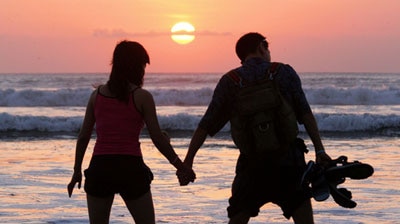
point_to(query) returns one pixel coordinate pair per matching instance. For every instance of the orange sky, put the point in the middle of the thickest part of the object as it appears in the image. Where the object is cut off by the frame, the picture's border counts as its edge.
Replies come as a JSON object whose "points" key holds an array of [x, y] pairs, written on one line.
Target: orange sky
{"points": [[312, 36]]}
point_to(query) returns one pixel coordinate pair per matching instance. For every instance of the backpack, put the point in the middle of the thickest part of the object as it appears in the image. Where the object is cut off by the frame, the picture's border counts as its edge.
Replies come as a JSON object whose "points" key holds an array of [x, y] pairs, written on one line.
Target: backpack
{"points": [[263, 124]]}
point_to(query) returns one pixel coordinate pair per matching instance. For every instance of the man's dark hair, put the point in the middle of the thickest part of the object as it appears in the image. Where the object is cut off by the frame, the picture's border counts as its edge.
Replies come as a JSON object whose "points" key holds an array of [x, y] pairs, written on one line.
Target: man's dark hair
{"points": [[248, 44]]}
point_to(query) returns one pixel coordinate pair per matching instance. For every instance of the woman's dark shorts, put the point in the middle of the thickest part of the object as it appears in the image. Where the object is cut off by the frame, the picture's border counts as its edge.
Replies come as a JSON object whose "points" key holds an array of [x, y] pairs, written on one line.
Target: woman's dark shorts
{"points": [[124, 174], [256, 184]]}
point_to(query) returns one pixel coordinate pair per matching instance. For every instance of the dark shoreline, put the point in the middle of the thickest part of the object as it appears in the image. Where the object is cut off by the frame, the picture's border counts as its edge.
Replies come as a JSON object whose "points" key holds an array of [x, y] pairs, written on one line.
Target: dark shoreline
{"points": [[42, 135]]}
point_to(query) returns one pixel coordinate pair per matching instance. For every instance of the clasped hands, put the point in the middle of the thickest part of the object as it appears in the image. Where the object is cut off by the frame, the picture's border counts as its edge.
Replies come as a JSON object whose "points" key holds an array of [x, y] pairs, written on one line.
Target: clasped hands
{"points": [[185, 175]]}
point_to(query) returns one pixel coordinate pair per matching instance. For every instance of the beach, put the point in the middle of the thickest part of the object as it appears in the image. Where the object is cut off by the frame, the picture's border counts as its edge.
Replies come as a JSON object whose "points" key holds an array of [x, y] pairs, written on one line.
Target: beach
{"points": [[34, 175]]}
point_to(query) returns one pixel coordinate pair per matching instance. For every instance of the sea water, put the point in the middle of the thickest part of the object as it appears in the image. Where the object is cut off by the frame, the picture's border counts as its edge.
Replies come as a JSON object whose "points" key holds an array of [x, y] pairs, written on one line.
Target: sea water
{"points": [[40, 115]]}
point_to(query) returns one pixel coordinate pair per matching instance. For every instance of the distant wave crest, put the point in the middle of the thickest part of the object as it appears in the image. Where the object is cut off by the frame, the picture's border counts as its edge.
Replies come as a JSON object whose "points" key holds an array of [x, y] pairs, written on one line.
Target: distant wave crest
{"points": [[188, 122], [195, 97]]}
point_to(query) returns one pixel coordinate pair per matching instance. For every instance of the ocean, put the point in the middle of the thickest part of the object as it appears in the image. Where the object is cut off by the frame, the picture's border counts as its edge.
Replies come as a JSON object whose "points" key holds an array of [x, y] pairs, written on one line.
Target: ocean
{"points": [[40, 115]]}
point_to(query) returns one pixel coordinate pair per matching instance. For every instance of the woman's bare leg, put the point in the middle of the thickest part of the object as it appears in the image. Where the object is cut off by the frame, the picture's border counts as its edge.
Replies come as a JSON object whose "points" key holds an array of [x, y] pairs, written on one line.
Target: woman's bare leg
{"points": [[142, 209], [99, 209]]}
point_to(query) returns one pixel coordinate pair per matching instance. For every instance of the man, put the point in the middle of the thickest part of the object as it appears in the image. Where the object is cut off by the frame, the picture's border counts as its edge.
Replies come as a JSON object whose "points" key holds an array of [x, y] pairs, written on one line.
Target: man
{"points": [[259, 182]]}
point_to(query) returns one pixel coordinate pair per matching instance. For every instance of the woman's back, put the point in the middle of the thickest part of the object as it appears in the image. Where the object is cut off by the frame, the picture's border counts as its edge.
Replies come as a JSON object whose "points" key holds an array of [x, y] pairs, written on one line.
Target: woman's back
{"points": [[118, 125]]}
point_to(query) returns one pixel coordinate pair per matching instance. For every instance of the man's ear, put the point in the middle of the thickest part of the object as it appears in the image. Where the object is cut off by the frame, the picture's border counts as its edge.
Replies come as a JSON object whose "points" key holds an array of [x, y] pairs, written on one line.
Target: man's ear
{"points": [[261, 49]]}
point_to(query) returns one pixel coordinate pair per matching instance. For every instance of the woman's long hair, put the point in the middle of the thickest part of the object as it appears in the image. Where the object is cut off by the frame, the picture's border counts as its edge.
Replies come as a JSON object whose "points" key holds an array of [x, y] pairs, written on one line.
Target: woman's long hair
{"points": [[128, 63]]}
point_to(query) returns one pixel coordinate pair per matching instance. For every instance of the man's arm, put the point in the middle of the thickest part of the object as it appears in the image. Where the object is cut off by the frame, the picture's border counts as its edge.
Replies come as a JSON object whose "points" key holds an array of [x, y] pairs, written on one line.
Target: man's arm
{"points": [[198, 138], [311, 127], [214, 119], [197, 141]]}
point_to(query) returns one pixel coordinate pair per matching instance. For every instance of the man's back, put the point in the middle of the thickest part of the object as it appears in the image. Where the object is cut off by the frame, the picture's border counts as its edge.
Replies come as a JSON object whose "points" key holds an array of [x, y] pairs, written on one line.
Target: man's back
{"points": [[263, 124]]}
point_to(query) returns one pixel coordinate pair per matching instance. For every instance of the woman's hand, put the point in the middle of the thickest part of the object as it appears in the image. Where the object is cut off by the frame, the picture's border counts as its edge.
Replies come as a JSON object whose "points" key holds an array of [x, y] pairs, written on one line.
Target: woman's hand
{"points": [[76, 178]]}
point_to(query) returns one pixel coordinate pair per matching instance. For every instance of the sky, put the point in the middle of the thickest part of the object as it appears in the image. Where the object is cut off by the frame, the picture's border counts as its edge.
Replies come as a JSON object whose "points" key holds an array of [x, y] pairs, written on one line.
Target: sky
{"points": [[74, 36]]}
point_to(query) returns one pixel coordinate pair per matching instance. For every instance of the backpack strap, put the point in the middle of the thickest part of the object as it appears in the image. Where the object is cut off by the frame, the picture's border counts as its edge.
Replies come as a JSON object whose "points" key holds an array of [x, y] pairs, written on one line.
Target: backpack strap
{"points": [[235, 77], [271, 72], [273, 69]]}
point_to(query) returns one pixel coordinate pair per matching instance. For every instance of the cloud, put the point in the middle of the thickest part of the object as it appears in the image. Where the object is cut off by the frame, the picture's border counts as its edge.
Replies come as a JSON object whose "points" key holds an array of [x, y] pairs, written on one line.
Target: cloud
{"points": [[212, 33], [118, 33], [122, 33]]}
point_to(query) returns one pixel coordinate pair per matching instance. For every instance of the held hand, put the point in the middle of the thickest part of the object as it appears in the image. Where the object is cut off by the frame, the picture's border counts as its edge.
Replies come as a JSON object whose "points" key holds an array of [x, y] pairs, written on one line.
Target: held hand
{"points": [[185, 176], [76, 178]]}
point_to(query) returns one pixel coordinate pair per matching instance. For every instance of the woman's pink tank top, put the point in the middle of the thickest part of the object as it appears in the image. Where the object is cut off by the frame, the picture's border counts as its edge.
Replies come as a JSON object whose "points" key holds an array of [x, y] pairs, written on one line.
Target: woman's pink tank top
{"points": [[118, 126]]}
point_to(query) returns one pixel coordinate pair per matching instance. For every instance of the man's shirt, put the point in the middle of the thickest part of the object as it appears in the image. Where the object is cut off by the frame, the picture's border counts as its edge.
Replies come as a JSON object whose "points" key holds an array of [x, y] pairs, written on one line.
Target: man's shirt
{"points": [[221, 106]]}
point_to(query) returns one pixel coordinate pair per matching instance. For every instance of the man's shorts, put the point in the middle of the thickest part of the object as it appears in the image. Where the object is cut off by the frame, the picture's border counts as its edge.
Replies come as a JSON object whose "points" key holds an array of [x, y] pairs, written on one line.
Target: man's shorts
{"points": [[257, 184], [124, 174]]}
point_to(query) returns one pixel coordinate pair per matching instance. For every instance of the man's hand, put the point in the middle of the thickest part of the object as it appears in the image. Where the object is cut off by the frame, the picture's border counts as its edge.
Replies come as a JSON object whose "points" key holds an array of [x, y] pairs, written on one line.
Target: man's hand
{"points": [[323, 159]]}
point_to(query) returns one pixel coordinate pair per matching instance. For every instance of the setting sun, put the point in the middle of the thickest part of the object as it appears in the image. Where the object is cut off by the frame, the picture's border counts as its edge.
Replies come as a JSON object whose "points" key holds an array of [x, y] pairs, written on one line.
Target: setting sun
{"points": [[183, 33]]}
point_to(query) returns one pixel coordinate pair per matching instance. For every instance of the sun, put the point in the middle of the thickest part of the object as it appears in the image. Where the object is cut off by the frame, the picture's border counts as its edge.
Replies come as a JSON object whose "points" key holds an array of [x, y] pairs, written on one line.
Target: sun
{"points": [[183, 33]]}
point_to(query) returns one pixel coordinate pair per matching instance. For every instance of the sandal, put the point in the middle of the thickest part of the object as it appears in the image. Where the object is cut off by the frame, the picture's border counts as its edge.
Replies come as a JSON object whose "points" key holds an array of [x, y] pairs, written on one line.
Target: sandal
{"points": [[354, 170]]}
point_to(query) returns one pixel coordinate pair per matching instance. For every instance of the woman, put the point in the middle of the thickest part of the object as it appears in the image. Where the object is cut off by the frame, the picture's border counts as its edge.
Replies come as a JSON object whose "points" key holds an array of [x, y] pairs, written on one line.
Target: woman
{"points": [[120, 109]]}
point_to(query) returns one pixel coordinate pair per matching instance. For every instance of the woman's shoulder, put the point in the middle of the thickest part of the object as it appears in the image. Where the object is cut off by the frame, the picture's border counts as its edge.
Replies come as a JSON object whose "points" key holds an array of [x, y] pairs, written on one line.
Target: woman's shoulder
{"points": [[142, 92], [104, 91], [142, 97]]}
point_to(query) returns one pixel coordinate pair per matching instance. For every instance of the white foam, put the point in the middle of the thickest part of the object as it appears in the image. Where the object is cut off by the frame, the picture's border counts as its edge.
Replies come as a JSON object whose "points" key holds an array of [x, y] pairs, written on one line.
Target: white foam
{"points": [[340, 122], [193, 97]]}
